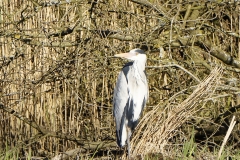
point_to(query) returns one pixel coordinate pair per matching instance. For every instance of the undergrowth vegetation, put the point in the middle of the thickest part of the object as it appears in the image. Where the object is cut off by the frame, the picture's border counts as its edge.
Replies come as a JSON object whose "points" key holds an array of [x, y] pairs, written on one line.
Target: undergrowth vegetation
{"points": [[57, 75]]}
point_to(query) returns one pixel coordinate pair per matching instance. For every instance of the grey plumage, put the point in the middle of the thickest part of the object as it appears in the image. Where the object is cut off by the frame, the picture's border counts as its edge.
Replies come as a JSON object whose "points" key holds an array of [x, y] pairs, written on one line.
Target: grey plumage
{"points": [[130, 95]]}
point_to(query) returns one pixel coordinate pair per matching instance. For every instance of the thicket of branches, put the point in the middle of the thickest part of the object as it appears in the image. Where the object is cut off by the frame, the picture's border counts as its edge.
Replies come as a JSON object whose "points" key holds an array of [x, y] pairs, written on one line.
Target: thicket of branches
{"points": [[58, 73]]}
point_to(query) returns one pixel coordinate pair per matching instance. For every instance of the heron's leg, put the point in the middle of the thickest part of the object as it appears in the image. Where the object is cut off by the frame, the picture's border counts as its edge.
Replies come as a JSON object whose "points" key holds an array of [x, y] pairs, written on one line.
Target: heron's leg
{"points": [[128, 142]]}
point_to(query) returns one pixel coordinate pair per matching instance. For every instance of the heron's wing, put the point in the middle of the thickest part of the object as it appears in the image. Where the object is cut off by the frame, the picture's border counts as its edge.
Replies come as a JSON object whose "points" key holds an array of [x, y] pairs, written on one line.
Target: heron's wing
{"points": [[120, 100]]}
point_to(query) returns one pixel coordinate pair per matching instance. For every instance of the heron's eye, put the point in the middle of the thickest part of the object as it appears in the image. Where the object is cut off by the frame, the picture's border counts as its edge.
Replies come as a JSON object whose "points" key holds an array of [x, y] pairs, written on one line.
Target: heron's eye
{"points": [[136, 53]]}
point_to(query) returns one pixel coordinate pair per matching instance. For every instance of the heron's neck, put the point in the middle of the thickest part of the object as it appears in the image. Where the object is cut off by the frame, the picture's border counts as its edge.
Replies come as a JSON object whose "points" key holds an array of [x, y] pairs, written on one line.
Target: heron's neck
{"points": [[140, 64], [139, 67]]}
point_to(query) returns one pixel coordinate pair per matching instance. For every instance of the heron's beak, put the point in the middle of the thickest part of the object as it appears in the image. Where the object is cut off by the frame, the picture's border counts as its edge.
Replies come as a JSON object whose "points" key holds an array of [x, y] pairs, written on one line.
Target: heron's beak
{"points": [[124, 55]]}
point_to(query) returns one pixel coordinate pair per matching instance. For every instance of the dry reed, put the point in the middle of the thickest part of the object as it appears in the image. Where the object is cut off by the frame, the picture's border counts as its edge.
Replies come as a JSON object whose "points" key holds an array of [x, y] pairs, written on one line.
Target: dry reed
{"points": [[155, 130]]}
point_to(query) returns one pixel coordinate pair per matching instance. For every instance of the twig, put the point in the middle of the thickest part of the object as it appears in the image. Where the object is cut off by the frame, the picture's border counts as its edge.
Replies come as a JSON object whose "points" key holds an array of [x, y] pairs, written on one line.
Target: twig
{"points": [[148, 4], [233, 122], [39, 128], [176, 65]]}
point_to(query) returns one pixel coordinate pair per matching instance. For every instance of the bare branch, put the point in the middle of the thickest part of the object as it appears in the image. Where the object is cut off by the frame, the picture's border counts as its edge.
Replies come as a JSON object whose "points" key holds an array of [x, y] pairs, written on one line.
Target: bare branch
{"points": [[41, 129]]}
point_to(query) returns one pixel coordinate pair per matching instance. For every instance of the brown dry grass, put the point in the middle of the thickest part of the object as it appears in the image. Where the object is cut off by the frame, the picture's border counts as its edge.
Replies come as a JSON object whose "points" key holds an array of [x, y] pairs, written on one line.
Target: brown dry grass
{"points": [[158, 126]]}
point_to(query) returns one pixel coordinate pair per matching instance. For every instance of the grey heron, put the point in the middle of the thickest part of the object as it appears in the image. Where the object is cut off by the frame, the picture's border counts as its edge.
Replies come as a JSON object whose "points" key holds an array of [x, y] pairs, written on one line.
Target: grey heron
{"points": [[130, 95]]}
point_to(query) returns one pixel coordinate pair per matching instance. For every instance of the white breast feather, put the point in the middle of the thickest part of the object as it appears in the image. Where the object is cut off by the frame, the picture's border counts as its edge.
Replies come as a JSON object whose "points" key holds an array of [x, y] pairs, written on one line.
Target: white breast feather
{"points": [[139, 88]]}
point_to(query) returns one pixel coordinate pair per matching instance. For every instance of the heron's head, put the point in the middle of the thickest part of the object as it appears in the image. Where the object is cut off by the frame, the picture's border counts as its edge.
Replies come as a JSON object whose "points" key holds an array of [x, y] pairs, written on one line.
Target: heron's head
{"points": [[134, 54]]}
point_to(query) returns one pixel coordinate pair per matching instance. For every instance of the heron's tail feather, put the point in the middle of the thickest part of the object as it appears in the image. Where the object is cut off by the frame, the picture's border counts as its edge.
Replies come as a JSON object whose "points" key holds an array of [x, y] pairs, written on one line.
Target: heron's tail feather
{"points": [[122, 136]]}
